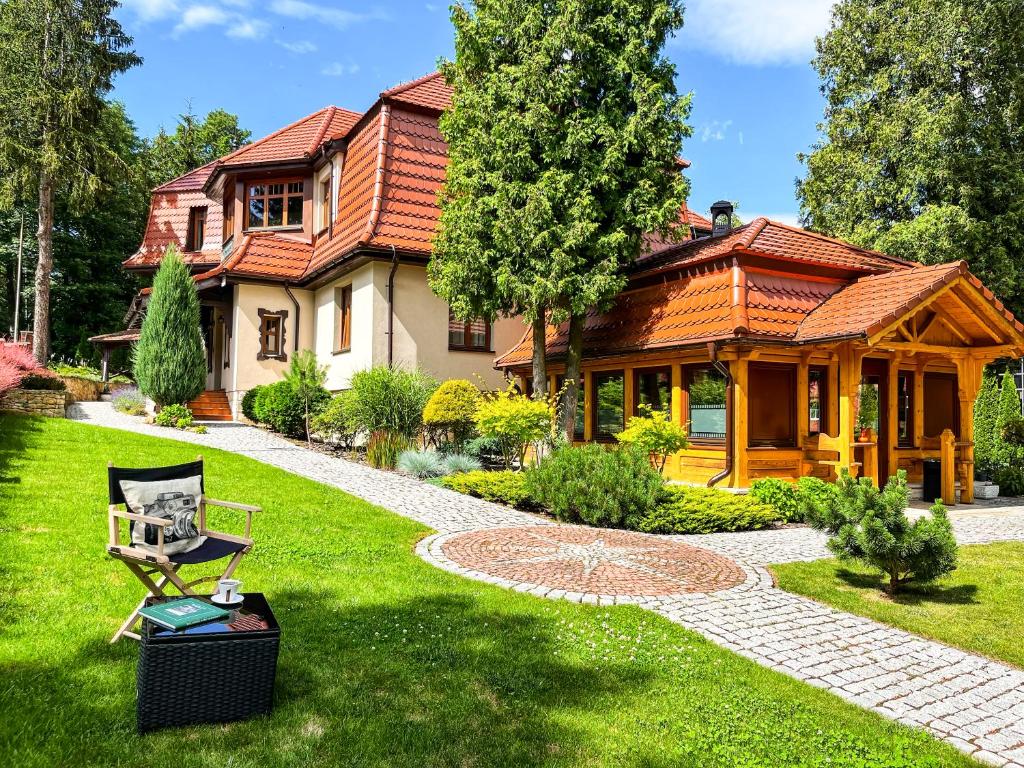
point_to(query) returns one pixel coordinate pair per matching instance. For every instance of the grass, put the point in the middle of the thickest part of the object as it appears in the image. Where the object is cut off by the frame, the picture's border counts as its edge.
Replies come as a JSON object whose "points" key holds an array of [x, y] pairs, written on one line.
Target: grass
{"points": [[977, 607], [386, 661]]}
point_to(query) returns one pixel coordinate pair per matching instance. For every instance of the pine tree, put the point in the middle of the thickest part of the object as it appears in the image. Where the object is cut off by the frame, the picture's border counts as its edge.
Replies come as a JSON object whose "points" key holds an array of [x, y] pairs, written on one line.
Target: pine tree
{"points": [[985, 425], [170, 358]]}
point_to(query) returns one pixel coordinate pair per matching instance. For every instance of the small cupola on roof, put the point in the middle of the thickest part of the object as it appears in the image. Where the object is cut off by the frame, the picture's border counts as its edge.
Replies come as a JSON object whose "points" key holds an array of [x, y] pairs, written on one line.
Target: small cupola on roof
{"points": [[721, 218]]}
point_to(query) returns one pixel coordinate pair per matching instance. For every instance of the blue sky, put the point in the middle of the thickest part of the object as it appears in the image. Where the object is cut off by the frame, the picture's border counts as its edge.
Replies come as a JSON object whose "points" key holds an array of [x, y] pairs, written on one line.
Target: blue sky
{"points": [[756, 100]]}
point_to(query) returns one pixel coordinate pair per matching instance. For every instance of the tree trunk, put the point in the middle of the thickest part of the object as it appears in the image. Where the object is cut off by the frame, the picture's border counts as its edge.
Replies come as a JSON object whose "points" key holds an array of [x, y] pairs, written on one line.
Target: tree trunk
{"points": [[44, 237], [571, 392], [540, 365]]}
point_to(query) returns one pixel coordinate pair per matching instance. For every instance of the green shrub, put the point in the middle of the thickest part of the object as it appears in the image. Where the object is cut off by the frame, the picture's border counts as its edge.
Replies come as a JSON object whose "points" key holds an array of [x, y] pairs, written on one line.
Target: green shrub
{"points": [[450, 412], [503, 487], [174, 415], [1013, 432], [1010, 481], [458, 462], [199, 429], [306, 378], [595, 485], [705, 510], [985, 407], [813, 493], [339, 421], [778, 494], [249, 402], [170, 358], [871, 527], [515, 421], [420, 464], [392, 400], [284, 411], [42, 379], [654, 435], [130, 401], [486, 450], [384, 447]]}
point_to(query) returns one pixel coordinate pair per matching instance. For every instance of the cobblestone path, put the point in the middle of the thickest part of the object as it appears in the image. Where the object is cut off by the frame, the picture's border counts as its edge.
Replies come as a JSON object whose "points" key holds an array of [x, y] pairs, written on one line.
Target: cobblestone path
{"points": [[716, 585]]}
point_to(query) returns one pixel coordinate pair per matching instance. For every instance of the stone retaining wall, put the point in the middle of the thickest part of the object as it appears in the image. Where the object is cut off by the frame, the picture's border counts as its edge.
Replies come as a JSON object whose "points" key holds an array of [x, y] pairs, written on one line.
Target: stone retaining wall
{"points": [[42, 402]]}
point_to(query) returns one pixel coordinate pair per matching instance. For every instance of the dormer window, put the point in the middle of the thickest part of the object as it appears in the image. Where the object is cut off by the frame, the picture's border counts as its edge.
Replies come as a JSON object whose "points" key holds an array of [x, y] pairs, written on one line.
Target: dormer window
{"points": [[196, 229], [273, 205]]}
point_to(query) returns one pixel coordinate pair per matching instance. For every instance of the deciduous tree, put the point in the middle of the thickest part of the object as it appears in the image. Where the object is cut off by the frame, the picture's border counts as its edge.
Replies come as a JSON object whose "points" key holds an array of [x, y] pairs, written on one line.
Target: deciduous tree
{"points": [[195, 142]]}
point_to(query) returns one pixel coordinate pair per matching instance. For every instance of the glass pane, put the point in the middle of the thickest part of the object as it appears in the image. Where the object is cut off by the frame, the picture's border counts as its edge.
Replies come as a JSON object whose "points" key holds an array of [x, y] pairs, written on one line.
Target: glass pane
{"points": [[456, 331], [707, 404], [295, 211], [611, 410], [478, 334], [654, 390], [904, 403], [275, 211], [255, 213], [294, 187], [256, 190], [275, 189], [814, 404], [867, 403]]}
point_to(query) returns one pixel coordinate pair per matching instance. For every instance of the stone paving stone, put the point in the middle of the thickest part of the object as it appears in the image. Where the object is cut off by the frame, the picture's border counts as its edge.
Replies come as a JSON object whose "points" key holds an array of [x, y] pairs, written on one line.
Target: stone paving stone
{"points": [[973, 703]]}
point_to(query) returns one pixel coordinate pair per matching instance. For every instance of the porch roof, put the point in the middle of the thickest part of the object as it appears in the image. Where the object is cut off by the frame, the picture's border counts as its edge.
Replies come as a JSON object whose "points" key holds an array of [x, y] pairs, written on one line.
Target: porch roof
{"points": [[117, 338]]}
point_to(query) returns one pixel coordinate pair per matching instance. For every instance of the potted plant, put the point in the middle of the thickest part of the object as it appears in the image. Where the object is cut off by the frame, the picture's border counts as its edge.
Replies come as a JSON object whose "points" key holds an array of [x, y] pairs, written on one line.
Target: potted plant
{"points": [[867, 411]]}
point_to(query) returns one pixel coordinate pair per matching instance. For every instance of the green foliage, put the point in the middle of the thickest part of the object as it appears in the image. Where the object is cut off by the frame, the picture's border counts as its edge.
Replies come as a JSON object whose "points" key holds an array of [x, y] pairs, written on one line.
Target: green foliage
{"points": [[502, 487], [198, 429], [704, 510], [1013, 433], [1008, 410], [458, 462], [871, 526], [170, 358], [421, 464], [249, 402], [486, 450], [450, 412], [654, 435], [384, 447], [922, 154], [280, 407], [515, 421], [867, 407], [813, 493], [985, 408], [392, 399], [174, 415], [1010, 480], [130, 401], [563, 134], [707, 390], [339, 421], [42, 379], [306, 378], [195, 142], [779, 495], [592, 484]]}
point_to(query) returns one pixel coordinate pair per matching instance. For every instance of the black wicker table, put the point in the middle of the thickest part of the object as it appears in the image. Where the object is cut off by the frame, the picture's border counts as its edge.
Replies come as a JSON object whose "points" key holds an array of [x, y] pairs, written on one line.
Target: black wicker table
{"points": [[215, 672]]}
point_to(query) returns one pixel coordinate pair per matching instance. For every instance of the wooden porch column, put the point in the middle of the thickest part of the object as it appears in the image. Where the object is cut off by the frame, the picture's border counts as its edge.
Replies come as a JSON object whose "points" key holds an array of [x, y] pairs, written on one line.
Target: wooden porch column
{"points": [[677, 395], [969, 372], [803, 426], [849, 380], [831, 423], [106, 364], [919, 401], [947, 457], [588, 406], [740, 383], [628, 396]]}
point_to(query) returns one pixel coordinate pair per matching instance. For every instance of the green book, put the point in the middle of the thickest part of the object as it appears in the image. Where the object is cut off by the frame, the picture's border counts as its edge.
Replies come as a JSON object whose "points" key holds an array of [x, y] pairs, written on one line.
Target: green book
{"points": [[178, 614]]}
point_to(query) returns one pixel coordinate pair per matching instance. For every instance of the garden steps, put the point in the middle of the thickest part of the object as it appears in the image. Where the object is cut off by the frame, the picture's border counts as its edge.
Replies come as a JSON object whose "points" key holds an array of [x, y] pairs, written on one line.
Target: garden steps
{"points": [[211, 405]]}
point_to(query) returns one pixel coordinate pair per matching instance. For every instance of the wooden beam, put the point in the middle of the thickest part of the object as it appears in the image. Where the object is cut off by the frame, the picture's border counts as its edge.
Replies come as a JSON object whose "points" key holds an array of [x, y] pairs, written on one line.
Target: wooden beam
{"points": [[956, 330], [921, 331], [970, 310], [886, 330], [740, 382], [902, 329], [991, 312]]}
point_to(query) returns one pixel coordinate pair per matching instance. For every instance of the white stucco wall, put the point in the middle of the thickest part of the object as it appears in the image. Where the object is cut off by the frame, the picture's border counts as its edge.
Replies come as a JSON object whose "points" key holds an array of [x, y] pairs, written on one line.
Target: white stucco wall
{"points": [[366, 300]]}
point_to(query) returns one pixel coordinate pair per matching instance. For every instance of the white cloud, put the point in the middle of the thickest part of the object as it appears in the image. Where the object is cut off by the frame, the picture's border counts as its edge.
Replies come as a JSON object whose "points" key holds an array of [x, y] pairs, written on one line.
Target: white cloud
{"points": [[337, 69], [335, 17], [198, 16], [150, 10], [757, 32], [716, 131], [298, 46], [431, 8], [247, 29]]}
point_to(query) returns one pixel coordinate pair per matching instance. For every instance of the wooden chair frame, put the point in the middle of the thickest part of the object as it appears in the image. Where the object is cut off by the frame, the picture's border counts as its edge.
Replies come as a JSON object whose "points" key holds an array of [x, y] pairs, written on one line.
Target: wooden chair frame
{"points": [[146, 564]]}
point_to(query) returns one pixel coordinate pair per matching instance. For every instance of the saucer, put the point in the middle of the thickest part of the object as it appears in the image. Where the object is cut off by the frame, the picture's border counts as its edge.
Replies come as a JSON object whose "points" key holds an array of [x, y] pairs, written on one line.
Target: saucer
{"points": [[224, 603]]}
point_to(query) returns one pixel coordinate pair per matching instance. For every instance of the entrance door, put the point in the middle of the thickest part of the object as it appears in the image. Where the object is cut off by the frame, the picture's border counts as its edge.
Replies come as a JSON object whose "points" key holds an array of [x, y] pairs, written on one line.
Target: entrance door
{"points": [[873, 409]]}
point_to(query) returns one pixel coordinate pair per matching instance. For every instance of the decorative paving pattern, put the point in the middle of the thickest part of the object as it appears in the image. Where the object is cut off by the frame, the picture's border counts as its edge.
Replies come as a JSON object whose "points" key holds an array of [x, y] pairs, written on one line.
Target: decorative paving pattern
{"points": [[593, 561]]}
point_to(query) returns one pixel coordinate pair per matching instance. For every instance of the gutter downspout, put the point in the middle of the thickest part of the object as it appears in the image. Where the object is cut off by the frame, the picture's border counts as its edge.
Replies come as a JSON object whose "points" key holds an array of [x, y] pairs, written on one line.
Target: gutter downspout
{"points": [[391, 306], [295, 303], [723, 369]]}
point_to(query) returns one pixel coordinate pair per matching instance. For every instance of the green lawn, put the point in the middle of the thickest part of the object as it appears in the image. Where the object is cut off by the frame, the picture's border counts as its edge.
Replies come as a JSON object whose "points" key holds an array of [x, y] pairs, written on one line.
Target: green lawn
{"points": [[978, 607], [386, 661]]}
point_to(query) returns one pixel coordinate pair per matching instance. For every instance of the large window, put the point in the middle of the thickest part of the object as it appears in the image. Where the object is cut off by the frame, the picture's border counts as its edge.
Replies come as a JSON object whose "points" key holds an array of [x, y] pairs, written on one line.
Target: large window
{"points": [[274, 204], [653, 387], [941, 404], [771, 417], [905, 409], [609, 404], [272, 334], [705, 388], [473, 336], [817, 400], [196, 229], [581, 411], [343, 319]]}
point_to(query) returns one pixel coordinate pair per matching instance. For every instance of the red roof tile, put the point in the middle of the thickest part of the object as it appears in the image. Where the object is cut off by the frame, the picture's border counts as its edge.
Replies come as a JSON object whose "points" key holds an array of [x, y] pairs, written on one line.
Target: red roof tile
{"points": [[191, 181], [168, 225], [430, 91], [266, 255], [293, 142]]}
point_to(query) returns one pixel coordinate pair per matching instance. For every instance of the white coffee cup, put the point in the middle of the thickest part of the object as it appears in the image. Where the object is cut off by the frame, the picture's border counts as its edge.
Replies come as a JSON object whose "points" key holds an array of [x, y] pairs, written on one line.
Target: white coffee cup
{"points": [[228, 591]]}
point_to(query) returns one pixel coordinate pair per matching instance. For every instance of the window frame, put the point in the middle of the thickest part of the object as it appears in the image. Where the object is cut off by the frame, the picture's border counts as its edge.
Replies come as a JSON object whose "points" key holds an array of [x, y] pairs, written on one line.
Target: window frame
{"points": [[909, 440], [689, 370], [790, 369], [638, 372], [823, 393], [326, 186], [595, 415], [466, 345], [266, 197], [343, 319], [197, 216], [267, 318]]}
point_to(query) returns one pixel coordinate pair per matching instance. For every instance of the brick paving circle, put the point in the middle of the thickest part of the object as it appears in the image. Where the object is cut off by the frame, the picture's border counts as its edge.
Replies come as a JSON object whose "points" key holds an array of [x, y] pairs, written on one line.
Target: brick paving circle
{"points": [[593, 560]]}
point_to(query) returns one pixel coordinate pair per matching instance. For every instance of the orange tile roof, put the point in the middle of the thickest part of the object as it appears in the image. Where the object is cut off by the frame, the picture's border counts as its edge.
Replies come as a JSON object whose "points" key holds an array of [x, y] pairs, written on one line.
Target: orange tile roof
{"points": [[430, 91], [266, 255], [168, 223], [188, 182], [297, 141]]}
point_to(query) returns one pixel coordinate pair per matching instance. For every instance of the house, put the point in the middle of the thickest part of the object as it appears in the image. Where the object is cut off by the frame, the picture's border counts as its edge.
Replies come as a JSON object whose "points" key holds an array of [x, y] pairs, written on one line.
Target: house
{"points": [[764, 338], [317, 236]]}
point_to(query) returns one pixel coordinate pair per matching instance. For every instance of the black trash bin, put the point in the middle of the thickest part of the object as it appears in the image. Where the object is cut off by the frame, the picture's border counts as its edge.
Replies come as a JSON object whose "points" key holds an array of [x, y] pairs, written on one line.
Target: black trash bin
{"points": [[932, 484]]}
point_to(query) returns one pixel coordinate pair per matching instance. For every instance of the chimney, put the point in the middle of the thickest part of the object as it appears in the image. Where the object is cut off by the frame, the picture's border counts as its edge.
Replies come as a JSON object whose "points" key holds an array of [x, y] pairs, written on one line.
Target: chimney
{"points": [[721, 218]]}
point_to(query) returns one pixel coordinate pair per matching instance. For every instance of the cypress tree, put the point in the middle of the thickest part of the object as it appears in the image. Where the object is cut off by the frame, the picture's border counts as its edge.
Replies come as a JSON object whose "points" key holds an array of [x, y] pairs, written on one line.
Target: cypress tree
{"points": [[170, 358], [1008, 410], [985, 424]]}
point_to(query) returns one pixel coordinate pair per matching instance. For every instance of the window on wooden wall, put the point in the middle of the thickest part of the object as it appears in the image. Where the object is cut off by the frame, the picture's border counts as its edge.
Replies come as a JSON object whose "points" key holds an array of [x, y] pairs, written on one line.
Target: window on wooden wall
{"points": [[706, 404], [343, 319], [472, 336], [817, 400], [609, 404], [581, 412], [272, 333], [771, 411], [274, 204], [325, 203], [941, 404], [196, 229], [905, 409], [653, 389], [229, 219]]}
